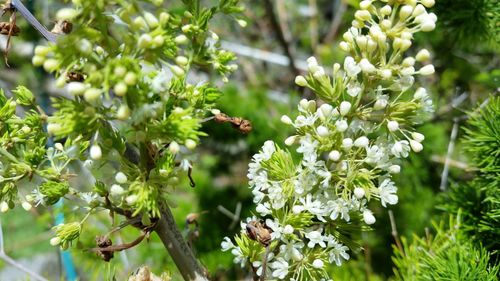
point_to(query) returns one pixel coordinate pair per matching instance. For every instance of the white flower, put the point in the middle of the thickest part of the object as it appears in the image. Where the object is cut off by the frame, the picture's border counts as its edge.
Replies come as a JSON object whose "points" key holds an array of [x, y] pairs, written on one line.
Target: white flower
{"points": [[400, 149], [291, 250], [374, 154], [338, 252], [387, 191], [354, 89], [315, 237], [367, 66], [310, 205], [227, 244], [263, 209], [280, 268], [325, 111], [351, 68], [339, 207], [381, 102]]}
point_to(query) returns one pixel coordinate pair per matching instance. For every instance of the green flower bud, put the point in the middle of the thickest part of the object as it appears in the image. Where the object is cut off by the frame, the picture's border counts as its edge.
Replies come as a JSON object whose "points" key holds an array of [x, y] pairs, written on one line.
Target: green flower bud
{"points": [[53, 191]]}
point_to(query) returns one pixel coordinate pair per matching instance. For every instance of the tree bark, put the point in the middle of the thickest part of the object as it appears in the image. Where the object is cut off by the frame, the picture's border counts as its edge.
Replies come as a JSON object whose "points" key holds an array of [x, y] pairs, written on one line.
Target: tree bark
{"points": [[178, 249]]}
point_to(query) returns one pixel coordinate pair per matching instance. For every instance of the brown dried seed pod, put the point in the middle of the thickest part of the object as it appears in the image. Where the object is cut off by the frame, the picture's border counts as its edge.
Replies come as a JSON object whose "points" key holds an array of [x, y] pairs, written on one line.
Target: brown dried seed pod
{"points": [[103, 242], [6, 26]]}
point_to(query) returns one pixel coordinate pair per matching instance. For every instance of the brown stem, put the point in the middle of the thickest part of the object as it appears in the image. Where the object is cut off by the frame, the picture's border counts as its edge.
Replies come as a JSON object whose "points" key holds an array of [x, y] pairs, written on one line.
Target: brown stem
{"points": [[178, 249], [394, 231]]}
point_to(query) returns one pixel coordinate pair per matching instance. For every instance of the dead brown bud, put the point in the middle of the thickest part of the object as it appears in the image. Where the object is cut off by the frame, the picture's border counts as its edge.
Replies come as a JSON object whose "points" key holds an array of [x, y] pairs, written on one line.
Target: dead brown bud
{"points": [[6, 26], [243, 125]]}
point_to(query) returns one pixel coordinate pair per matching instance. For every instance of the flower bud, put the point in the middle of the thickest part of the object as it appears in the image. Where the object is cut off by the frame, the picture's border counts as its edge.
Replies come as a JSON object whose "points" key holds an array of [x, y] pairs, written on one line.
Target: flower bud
{"points": [[130, 79], [177, 71], [394, 169], [288, 229], [116, 190], [95, 152], [285, 119], [386, 10], [419, 9], [38, 60], [59, 146], [301, 81], [423, 55], [344, 46], [92, 94], [67, 14], [119, 71], [151, 20], [4, 207], [326, 110], [120, 89], [334, 155], [123, 112], [420, 93], [361, 142], [181, 39], [392, 126], [359, 192], [362, 15], [367, 66], [50, 65], [380, 104], [317, 263], [341, 125], [42, 51], [409, 61], [131, 199], [290, 140], [190, 144], [416, 146], [76, 88], [181, 60], [428, 3], [405, 12], [347, 143], [344, 108], [386, 74], [428, 25], [121, 178], [427, 70], [368, 217], [322, 131], [26, 206], [417, 136], [55, 241], [144, 41], [242, 23], [174, 147]]}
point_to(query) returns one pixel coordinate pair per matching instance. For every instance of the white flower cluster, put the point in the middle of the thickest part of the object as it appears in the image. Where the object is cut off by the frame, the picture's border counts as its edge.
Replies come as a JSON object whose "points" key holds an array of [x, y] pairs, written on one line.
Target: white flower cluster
{"points": [[349, 146]]}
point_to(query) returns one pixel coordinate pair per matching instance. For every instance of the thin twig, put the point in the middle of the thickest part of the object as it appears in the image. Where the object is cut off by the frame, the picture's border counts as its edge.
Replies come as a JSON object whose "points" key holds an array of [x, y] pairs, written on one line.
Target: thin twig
{"points": [[337, 20], [281, 36], [12, 262], [451, 147], [394, 231]]}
